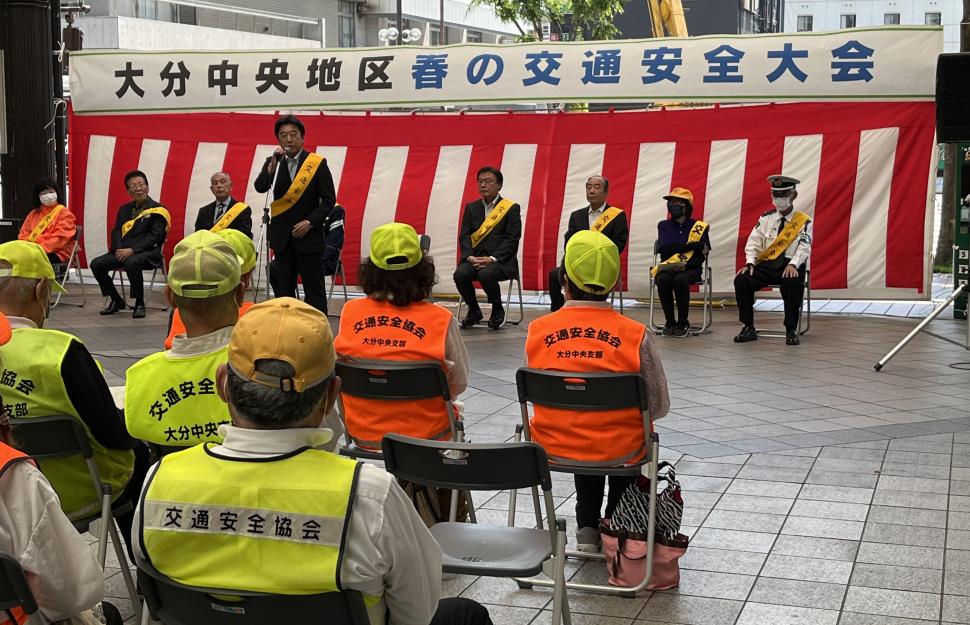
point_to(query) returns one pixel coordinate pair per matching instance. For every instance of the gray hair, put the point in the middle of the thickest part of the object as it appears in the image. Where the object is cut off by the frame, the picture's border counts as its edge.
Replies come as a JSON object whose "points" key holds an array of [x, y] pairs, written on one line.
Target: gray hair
{"points": [[269, 407], [17, 290], [221, 173]]}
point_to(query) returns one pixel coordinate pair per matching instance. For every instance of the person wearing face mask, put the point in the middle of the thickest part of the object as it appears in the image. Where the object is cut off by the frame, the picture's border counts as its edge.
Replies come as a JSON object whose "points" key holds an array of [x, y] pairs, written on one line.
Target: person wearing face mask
{"points": [[271, 509], [49, 372], [682, 241], [50, 225], [776, 253]]}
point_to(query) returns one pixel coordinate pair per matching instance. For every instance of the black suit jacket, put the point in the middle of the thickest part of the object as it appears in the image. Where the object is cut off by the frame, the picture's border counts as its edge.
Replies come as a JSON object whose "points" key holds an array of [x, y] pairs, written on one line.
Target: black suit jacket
{"points": [[243, 222], [502, 242], [314, 205], [617, 230], [146, 235]]}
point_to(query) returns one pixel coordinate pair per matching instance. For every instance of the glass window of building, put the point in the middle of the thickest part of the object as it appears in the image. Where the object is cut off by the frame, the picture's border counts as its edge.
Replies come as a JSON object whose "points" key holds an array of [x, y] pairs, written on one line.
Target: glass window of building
{"points": [[804, 23], [474, 36], [346, 24], [434, 35], [890, 18], [933, 19], [848, 20]]}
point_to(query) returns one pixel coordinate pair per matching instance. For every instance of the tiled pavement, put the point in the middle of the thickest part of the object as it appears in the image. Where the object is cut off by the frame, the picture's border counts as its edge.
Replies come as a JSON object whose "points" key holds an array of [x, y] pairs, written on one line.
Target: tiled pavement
{"points": [[817, 491]]}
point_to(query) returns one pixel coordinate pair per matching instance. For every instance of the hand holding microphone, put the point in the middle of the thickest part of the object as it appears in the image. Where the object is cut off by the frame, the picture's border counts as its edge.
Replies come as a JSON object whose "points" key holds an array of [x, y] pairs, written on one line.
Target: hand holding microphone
{"points": [[278, 154]]}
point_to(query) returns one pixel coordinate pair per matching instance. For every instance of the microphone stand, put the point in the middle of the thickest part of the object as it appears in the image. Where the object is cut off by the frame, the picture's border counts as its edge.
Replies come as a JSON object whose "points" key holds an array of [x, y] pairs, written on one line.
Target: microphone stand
{"points": [[264, 234]]}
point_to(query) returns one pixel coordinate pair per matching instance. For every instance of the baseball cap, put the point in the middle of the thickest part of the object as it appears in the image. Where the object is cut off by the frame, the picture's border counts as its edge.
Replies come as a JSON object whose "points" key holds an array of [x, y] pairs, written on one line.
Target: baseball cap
{"points": [[243, 246], [283, 329], [592, 261], [204, 265], [5, 331], [395, 246], [27, 260], [680, 193]]}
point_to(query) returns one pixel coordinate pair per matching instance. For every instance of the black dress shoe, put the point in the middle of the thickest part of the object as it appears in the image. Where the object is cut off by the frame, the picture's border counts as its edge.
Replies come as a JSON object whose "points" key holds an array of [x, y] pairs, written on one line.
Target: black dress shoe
{"points": [[139, 312], [474, 316], [668, 329], [791, 338], [681, 329], [747, 333], [113, 306], [497, 318]]}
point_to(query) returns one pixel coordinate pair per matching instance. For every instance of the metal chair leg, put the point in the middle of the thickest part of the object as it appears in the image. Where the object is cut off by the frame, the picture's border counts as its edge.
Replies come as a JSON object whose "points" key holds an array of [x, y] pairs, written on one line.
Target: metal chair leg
{"points": [[560, 602], [151, 287], [125, 570]]}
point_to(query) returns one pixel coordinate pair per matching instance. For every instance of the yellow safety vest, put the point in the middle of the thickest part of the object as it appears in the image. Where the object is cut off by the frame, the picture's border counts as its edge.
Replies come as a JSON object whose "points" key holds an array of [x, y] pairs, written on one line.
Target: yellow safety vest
{"points": [[274, 525], [31, 386], [173, 400]]}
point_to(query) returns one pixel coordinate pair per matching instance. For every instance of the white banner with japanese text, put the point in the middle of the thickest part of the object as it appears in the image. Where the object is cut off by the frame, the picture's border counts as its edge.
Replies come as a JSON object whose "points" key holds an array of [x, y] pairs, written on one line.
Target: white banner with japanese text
{"points": [[879, 63]]}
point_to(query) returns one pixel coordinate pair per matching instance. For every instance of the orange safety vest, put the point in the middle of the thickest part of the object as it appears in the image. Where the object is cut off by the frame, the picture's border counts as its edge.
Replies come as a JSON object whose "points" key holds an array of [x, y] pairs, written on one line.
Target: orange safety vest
{"points": [[179, 328], [8, 456], [373, 330], [587, 339]]}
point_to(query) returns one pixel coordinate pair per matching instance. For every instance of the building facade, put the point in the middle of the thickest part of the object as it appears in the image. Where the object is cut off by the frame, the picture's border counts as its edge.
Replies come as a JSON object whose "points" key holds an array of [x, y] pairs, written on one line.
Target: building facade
{"points": [[708, 17], [820, 15]]}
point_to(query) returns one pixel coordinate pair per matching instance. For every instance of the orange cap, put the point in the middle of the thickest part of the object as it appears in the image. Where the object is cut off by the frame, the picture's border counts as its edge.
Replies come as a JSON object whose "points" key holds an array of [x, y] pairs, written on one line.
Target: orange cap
{"points": [[681, 194]]}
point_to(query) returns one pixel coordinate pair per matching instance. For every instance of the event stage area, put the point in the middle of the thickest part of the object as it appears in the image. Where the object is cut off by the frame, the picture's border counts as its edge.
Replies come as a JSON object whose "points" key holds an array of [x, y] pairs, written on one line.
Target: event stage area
{"points": [[817, 490]]}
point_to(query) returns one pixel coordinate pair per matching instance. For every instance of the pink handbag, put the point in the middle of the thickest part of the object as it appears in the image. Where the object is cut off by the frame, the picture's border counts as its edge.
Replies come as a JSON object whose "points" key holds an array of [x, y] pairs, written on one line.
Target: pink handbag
{"points": [[626, 558]]}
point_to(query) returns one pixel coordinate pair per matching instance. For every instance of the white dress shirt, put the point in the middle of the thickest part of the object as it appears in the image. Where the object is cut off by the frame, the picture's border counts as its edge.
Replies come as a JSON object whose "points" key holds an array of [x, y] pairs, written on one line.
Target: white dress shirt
{"points": [[388, 552], [766, 231]]}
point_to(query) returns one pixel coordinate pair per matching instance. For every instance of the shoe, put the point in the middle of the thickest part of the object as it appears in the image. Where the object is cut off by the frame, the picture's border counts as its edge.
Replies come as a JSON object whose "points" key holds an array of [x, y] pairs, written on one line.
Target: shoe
{"points": [[681, 329], [668, 329], [791, 338], [113, 306], [474, 316], [747, 333], [588, 540], [497, 318], [139, 312], [112, 615]]}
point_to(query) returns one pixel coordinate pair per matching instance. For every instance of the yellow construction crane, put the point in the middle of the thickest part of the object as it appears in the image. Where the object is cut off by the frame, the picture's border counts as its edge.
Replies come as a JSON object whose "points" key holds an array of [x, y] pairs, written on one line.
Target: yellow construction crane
{"points": [[667, 18]]}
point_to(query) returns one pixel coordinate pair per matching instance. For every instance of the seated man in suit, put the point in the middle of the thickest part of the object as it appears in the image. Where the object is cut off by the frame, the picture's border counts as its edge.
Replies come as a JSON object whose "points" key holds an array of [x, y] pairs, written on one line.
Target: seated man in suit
{"points": [[598, 217], [489, 243], [136, 245], [225, 211], [776, 253]]}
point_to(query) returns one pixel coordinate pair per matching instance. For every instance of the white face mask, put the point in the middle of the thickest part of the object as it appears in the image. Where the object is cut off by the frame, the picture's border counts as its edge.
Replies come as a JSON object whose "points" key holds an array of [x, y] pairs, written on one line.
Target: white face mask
{"points": [[48, 199], [781, 203]]}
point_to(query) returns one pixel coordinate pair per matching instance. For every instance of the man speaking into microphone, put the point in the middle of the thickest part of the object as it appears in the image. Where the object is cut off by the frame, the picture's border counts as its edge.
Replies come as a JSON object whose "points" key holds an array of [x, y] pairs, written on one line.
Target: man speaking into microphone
{"points": [[303, 196]]}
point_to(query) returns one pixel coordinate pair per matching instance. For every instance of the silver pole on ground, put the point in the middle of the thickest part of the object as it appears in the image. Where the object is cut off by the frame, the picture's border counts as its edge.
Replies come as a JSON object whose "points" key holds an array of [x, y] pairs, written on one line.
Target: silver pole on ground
{"points": [[922, 324], [264, 237]]}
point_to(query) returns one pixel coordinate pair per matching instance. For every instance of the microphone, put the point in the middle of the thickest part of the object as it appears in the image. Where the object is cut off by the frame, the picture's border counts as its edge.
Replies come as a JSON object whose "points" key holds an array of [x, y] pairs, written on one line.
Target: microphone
{"points": [[279, 156]]}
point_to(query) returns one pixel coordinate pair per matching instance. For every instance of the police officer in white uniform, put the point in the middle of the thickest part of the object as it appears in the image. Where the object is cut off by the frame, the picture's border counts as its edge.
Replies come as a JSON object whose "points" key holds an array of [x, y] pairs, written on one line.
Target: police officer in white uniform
{"points": [[776, 253]]}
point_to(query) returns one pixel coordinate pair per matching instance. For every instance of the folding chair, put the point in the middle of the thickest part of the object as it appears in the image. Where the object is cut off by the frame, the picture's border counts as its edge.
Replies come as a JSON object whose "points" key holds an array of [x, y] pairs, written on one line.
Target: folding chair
{"points": [[618, 290], [593, 392], [173, 603], [333, 281], [119, 272], [50, 438], [707, 286], [508, 300], [74, 262], [805, 312], [489, 550], [14, 591]]}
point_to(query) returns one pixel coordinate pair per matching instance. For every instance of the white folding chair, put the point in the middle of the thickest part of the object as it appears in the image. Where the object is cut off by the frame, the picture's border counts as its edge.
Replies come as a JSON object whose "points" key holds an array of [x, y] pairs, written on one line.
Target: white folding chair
{"points": [[74, 262]]}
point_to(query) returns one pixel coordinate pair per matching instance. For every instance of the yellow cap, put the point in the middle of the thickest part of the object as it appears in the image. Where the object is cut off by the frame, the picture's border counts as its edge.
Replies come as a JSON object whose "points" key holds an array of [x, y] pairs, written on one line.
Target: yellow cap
{"points": [[680, 193], [243, 245], [283, 329], [5, 331], [395, 246], [27, 260], [592, 261], [204, 265]]}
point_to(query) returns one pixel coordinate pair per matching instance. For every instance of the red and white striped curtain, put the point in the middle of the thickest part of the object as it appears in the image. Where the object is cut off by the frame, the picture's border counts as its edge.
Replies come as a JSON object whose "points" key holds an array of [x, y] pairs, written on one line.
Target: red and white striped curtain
{"points": [[865, 168]]}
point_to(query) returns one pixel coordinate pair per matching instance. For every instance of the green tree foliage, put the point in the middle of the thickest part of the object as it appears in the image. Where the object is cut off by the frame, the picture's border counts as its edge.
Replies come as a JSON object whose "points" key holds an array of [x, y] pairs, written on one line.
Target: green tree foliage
{"points": [[589, 17]]}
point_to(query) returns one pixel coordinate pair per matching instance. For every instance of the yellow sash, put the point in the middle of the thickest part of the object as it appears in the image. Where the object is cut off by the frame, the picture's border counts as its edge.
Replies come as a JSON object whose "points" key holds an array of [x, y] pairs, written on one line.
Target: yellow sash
{"points": [[492, 220], [228, 217], [158, 210], [608, 215], [785, 238], [298, 186], [46, 221], [696, 232]]}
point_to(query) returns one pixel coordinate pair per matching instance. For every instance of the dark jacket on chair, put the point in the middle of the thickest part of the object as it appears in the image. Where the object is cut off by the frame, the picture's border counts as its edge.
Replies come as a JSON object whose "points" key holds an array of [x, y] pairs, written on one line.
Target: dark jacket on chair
{"points": [[243, 222], [314, 205], [146, 234], [502, 243]]}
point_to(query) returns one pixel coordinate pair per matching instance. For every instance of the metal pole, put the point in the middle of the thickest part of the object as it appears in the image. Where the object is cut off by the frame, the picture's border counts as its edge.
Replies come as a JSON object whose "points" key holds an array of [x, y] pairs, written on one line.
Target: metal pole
{"points": [[922, 324], [442, 33], [322, 24], [400, 20]]}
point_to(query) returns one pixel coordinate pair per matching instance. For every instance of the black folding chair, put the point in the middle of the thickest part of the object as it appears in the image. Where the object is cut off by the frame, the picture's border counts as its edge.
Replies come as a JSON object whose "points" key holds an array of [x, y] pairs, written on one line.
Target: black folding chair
{"points": [[156, 267], [339, 271], [54, 437], [489, 550], [707, 285], [14, 591], [592, 392], [173, 603]]}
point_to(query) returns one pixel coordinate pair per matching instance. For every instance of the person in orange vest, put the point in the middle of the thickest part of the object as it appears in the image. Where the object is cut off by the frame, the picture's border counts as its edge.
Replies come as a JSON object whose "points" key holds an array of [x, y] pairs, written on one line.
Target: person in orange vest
{"points": [[50, 225], [587, 335], [61, 571], [395, 323], [246, 253]]}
